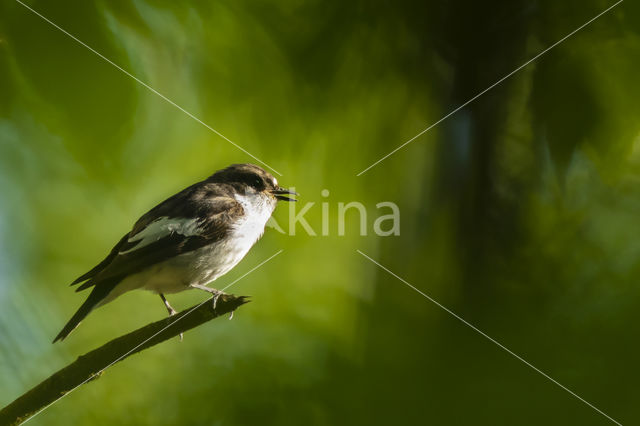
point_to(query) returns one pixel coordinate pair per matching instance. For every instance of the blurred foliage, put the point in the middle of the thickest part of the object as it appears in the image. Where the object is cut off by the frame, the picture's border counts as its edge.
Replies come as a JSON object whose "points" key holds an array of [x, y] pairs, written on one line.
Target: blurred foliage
{"points": [[519, 212]]}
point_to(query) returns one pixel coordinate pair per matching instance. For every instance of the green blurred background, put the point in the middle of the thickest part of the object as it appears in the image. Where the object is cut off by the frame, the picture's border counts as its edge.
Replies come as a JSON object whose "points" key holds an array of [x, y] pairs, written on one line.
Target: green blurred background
{"points": [[519, 213]]}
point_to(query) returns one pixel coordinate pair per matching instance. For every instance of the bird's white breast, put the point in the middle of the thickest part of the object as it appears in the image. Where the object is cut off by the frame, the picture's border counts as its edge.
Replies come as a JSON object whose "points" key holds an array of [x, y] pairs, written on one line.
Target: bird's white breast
{"points": [[217, 259], [207, 263], [257, 211]]}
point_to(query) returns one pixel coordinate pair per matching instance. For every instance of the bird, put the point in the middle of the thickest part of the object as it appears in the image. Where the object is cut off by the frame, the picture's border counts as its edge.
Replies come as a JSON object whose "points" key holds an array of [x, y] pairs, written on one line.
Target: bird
{"points": [[187, 241]]}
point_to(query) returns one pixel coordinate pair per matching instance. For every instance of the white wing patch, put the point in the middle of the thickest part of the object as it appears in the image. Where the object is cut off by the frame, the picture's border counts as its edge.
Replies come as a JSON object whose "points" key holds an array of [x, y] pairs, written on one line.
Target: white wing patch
{"points": [[163, 227]]}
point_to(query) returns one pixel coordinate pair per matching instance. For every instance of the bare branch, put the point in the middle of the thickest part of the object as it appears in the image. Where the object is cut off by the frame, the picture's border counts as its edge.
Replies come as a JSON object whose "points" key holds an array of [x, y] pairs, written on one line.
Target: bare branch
{"points": [[91, 365]]}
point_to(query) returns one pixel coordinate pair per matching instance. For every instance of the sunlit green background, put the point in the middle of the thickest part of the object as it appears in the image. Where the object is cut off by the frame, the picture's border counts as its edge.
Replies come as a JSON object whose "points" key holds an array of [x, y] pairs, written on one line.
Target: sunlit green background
{"points": [[520, 212]]}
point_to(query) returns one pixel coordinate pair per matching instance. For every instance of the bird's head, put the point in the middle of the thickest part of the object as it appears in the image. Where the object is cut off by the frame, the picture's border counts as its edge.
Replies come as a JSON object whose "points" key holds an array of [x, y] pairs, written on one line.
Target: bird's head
{"points": [[251, 179]]}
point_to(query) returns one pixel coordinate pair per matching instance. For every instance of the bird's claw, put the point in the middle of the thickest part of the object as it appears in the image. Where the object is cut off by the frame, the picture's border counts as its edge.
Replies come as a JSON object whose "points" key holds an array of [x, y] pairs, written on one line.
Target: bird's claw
{"points": [[215, 299], [172, 312]]}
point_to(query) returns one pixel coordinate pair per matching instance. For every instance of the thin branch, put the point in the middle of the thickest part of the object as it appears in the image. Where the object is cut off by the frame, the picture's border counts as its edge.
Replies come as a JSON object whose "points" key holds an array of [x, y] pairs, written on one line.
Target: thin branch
{"points": [[91, 365]]}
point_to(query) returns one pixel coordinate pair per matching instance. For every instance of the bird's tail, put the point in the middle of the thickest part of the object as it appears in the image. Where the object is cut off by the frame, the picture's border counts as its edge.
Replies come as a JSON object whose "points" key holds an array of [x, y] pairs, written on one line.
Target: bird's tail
{"points": [[90, 304]]}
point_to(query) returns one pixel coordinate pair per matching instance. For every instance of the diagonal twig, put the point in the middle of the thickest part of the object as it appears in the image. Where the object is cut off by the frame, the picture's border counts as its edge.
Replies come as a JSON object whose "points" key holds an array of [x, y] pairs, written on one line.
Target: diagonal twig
{"points": [[91, 365]]}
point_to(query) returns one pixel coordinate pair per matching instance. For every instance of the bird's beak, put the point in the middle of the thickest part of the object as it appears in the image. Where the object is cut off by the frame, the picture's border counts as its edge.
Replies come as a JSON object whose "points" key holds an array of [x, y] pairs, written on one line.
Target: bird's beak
{"points": [[278, 192]]}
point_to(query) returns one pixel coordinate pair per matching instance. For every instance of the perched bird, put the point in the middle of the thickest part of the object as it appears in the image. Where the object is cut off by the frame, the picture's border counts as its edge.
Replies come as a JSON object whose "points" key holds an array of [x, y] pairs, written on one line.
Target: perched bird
{"points": [[187, 241]]}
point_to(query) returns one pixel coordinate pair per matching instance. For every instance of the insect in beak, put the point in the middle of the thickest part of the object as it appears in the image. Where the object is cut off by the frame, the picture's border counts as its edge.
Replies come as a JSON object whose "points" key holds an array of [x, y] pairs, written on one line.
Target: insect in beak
{"points": [[279, 193]]}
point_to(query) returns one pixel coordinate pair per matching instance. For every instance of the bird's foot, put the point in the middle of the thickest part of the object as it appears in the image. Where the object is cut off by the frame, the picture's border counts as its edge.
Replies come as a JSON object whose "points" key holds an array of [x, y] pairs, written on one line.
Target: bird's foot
{"points": [[170, 309], [216, 295], [172, 312]]}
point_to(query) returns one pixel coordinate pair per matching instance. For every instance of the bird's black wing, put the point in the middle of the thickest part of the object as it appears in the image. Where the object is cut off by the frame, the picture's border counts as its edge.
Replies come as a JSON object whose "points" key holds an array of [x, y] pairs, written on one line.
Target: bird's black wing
{"points": [[211, 221], [171, 203], [160, 234]]}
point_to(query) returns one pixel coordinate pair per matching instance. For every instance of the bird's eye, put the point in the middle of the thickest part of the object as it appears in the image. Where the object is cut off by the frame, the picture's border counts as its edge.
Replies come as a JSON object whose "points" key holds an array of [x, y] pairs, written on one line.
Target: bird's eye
{"points": [[257, 182]]}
